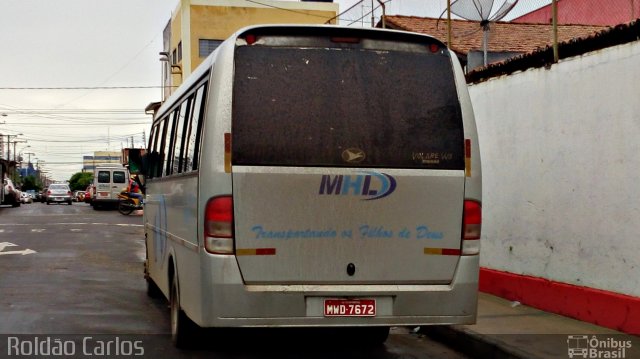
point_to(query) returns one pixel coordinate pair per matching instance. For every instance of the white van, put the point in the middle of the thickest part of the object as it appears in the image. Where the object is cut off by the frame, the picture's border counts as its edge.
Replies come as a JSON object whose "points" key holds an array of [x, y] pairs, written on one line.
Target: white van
{"points": [[109, 181], [316, 176]]}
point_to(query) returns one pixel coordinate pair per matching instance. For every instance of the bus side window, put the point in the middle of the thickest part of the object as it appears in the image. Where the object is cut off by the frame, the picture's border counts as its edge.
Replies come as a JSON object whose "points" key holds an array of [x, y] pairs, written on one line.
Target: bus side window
{"points": [[160, 148], [178, 154], [153, 149], [186, 161], [195, 130], [169, 139]]}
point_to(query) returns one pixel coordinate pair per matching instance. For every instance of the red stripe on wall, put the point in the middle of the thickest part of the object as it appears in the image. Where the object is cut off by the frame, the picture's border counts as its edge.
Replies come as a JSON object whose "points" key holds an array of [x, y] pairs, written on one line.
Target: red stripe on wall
{"points": [[608, 309]]}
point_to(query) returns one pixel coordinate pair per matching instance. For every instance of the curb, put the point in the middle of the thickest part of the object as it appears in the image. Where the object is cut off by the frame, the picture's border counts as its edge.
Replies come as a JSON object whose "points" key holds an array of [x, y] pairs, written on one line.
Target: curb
{"points": [[472, 343]]}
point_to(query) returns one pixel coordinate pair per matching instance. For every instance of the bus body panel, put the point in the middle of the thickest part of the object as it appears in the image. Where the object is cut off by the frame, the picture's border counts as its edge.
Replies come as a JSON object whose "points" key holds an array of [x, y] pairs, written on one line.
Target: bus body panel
{"points": [[473, 184], [317, 221], [170, 220], [231, 303]]}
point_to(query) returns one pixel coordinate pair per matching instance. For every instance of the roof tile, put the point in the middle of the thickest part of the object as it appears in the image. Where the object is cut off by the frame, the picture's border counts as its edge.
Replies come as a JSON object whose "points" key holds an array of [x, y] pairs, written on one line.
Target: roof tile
{"points": [[503, 36]]}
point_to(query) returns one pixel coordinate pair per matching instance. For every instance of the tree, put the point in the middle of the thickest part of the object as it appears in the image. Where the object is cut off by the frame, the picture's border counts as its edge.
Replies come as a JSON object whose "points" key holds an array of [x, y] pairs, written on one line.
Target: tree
{"points": [[30, 183], [80, 180]]}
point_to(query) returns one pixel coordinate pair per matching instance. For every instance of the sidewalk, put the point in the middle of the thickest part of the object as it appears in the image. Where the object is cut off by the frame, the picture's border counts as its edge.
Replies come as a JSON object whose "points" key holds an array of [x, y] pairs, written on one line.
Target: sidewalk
{"points": [[507, 329]]}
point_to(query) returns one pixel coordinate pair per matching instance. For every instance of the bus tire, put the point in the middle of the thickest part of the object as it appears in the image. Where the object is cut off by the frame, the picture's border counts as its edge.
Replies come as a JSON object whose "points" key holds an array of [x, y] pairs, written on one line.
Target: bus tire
{"points": [[376, 335], [153, 291], [183, 330]]}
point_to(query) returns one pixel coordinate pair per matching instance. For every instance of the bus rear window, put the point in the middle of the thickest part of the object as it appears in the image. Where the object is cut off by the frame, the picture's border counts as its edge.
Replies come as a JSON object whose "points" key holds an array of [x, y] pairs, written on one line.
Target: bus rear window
{"points": [[104, 176], [352, 107]]}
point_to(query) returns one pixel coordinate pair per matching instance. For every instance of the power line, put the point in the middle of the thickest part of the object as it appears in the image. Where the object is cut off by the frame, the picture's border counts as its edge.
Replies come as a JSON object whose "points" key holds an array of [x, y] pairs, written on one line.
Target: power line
{"points": [[289, 10], [76, 124], [367, 14], [344, 12], [83, 88]]}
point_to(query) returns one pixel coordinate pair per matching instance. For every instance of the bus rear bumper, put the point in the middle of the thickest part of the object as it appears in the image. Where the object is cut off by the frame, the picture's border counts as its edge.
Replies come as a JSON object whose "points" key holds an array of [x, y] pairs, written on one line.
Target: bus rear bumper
{"points": [[240, 305]]}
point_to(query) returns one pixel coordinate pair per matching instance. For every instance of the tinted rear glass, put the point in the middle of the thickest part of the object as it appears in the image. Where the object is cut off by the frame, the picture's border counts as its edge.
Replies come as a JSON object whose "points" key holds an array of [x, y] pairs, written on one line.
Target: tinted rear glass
{"points": [[320, 106], [104, 176], [119, 177]]}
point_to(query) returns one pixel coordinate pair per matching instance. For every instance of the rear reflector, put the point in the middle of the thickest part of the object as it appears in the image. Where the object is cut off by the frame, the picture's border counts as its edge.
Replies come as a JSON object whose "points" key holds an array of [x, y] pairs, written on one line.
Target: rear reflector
{"points": [[218, 225], [227, 152], [348, 40], [471, 227], [255, 252], [467, 157], [442, 251]]}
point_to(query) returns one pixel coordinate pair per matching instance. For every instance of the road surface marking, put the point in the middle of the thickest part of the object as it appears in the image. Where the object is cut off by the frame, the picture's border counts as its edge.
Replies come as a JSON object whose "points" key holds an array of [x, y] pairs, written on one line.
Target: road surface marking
{"points": [[70, 224], [23, 252], [4, 245]]}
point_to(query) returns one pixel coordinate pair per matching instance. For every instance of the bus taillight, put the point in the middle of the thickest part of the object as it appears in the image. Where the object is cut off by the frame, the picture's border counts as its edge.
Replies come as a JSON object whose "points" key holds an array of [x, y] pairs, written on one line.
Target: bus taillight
{"points": [[251, 39], [218, 225], [471, 227]]}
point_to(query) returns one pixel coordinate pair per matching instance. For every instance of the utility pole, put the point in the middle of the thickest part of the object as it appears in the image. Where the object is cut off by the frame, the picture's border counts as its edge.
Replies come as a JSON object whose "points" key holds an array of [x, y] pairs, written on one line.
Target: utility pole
{"points": [[449, 24], [14, 149], [556, 56]]}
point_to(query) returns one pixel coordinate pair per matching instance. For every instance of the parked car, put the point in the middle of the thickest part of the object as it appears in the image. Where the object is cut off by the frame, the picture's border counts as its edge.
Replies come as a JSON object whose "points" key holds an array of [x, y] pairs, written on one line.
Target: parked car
{"points": [[88, 194], [11, 193], [25, 198], [58, 193], [43, 195], [78, 196]]}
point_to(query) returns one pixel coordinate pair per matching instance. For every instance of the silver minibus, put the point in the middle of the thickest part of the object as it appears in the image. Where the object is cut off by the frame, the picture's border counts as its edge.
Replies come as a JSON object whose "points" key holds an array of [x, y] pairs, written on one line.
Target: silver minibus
{"points": [[316, 176]]}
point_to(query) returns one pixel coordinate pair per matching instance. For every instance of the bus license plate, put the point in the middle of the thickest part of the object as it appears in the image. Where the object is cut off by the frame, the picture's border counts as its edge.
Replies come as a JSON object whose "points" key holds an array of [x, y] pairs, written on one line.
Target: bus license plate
{"points": [[349, 308]]}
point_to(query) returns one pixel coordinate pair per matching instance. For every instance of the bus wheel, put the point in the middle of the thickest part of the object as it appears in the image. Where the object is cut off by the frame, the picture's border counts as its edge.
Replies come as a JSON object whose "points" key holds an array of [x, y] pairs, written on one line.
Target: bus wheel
{"points": [[152, 289], [376, 335], [370, 336], [183, 330]]}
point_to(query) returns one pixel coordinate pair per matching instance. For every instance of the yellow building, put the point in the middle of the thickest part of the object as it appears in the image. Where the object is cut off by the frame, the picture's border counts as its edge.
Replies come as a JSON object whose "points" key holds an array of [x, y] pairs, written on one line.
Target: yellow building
{"points": [[197, 27], [89, 163]]}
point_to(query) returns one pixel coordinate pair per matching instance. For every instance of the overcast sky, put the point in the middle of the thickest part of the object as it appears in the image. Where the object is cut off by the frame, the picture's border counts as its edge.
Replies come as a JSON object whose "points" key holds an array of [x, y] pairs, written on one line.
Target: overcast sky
{"points": [[93, 44]]}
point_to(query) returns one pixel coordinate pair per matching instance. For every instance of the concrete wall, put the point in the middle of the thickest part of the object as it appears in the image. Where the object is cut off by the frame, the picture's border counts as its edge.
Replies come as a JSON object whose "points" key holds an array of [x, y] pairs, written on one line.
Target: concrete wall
{"points": [[561, 170]]}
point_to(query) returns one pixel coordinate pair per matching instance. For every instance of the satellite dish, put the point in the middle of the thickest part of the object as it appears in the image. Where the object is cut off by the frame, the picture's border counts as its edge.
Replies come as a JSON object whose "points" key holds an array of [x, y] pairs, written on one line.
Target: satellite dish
{"points": [[482, 11]]}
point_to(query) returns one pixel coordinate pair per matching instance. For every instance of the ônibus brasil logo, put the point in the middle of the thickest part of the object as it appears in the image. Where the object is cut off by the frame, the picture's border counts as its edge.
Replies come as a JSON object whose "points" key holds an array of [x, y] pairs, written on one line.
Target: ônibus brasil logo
{"points": [[371, 185]]}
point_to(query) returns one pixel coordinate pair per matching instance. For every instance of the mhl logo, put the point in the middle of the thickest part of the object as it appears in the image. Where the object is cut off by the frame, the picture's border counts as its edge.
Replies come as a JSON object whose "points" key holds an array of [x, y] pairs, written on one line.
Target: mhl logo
{"points": [[372, 185]]}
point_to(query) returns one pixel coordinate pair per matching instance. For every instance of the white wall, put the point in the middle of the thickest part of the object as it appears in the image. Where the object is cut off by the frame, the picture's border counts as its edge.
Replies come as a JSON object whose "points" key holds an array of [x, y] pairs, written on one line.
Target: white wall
{"points": [[561, 170]]}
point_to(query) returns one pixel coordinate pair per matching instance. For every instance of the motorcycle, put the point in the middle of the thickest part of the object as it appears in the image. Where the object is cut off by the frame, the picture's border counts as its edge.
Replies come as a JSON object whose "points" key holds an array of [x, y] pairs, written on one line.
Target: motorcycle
{"points": [[128, 204]]}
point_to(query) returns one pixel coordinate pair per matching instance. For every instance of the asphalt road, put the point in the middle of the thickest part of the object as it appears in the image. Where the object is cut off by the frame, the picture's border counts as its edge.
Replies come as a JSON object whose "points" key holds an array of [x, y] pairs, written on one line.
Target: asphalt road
{"points": [[71, 282]]}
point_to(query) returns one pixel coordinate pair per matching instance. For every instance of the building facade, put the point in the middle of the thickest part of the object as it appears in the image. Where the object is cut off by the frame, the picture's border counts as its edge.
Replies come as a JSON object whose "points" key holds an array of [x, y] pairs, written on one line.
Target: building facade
{"points": [[197, 27], [586, 12], [89, 163]]}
